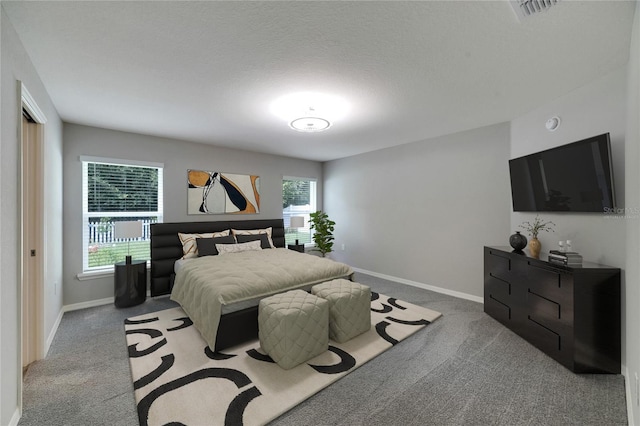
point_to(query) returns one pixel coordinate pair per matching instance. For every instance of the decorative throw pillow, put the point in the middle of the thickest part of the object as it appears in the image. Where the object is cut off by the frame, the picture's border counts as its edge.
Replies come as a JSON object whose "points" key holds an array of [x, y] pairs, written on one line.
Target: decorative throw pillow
{"points": [[237, 248], [189, 246], [264, 240], [267, 231], [207, 246]]}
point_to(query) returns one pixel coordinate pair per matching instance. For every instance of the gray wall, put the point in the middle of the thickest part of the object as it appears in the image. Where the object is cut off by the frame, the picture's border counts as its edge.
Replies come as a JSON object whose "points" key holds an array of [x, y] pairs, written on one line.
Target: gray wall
{"points": [[15, 65], [599, 107], [178, 157], [631, 299], [596, 108], [423, 211]]}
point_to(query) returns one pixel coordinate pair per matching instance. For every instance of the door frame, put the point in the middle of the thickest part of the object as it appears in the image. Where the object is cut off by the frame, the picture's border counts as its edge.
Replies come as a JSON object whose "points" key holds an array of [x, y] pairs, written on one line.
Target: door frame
{"points": [[32, 237]]}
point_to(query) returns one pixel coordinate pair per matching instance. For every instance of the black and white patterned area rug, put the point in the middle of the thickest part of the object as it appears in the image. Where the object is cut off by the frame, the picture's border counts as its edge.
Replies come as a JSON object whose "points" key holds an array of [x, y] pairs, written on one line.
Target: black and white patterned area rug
{"points": [[178, 380]]}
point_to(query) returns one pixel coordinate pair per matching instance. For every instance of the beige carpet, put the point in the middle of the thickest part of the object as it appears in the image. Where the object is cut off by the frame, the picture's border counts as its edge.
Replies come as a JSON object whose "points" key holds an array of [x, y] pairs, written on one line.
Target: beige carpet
{"points": [[178, 380]]}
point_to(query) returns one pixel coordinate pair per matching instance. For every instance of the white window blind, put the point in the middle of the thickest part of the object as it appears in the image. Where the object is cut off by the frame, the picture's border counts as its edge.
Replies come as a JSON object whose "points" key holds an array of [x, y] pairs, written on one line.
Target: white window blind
{"points": [[298, 199], [114, 191]]}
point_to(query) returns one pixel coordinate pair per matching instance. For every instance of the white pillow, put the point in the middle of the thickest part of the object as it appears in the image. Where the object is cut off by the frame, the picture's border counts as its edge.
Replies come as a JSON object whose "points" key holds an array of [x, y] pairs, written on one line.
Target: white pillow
{"points": [[189, 246], [237, 248], [255, 232]]}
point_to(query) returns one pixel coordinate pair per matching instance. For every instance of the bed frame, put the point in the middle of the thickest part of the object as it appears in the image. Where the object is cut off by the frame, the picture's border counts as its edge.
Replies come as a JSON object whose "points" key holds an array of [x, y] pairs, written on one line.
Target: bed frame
{"points": [[235, 328]]}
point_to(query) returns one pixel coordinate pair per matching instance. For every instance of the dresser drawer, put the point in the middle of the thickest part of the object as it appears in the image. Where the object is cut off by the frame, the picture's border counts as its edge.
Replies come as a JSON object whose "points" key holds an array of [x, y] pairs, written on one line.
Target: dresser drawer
{"points": [[497, 309], [549, 283], [543, 338], [544, 311], [497, 266], [497, 287]]}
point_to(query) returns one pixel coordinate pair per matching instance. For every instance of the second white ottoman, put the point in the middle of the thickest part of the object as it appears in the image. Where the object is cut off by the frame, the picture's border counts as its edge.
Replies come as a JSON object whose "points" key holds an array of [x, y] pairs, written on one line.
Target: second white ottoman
{"points": [[349, 308], [293, 327]]}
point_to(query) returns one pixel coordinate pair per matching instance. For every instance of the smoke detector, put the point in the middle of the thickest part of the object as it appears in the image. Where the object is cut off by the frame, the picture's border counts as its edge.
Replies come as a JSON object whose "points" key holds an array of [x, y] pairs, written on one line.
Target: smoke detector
{"points": [[552, 124], [527, 8]]}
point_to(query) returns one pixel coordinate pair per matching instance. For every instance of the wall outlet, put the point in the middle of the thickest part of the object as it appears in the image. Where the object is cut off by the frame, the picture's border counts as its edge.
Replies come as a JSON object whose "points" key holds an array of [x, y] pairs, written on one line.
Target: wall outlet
{"points": [[55, 288], [342, 246]]}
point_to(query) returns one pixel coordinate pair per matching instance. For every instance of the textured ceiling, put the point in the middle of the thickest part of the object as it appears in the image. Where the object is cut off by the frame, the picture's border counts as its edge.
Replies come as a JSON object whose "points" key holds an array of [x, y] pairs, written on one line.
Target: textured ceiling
{"points": [[208, 71]]}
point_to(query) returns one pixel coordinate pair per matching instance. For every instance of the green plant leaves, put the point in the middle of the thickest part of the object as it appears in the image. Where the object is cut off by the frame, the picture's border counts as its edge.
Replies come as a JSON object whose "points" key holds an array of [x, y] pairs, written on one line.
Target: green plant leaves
{"points": [[323, 235]]}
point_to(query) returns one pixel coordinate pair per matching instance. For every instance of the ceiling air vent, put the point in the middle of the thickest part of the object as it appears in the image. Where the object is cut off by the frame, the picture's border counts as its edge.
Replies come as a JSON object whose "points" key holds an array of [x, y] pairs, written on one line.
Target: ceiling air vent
{"points": [[526, 8]]}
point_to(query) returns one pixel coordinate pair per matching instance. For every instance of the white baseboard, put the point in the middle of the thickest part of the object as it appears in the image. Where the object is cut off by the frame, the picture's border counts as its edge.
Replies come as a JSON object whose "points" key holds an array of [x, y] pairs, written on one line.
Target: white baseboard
{"points": [[53, 332], [15, 418], [629, 395], [446, 291], [88, 304], [92, 303]]}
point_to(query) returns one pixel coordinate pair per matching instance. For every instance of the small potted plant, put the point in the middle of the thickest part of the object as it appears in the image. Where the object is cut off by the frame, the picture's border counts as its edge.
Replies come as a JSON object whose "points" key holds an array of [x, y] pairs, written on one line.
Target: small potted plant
{"points": [[323, 235], [533, 229]]}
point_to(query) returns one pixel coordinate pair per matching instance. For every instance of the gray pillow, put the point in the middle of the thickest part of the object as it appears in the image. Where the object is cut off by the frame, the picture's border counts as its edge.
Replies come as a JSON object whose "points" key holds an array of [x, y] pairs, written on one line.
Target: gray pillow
{"points": [[263, 238], [207, 246]]}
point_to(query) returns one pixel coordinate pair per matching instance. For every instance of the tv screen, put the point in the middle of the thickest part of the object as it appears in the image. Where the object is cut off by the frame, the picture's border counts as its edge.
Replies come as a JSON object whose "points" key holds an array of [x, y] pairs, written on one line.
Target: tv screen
{"points": [[576, 177]]}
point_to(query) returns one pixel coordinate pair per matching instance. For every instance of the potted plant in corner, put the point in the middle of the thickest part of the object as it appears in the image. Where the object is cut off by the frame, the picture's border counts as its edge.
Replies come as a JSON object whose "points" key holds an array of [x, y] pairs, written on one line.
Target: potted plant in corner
{"points": [[323, 235]]}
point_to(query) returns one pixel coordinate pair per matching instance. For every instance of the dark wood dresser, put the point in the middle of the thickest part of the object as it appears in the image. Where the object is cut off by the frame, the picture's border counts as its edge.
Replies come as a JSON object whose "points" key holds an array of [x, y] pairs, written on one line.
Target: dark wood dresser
{"points": [[570, 313]]}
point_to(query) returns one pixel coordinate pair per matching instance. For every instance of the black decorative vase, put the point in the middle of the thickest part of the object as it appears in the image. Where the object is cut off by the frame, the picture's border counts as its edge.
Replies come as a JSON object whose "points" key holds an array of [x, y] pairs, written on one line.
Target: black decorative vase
{"points": [[518, 241]]}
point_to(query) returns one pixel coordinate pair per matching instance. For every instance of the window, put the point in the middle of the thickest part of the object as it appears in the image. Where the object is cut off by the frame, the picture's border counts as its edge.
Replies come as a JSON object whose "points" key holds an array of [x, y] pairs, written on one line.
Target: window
{"points": [[298, 199], [112, 191]]}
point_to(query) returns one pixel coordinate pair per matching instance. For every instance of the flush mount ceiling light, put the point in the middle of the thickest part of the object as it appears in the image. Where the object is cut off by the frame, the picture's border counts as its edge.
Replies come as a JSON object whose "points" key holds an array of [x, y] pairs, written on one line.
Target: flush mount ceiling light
{"points": [[309, 111], [310, 124]]}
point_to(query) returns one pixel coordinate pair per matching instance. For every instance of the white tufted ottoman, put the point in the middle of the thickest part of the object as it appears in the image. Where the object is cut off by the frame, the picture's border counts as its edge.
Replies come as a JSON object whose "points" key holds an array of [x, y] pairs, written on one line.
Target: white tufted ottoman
{"points": [[349, 308], [293, 327]]}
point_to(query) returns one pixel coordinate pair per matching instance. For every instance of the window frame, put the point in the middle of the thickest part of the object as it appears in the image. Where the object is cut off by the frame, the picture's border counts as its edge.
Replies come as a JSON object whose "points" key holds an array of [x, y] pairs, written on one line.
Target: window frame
{"points": [[97, 271], [313, 205]]}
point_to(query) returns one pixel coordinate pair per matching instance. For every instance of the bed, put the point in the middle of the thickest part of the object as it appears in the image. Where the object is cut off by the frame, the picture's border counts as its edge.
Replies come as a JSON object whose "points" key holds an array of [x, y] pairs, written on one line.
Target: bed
{"points": [[238, 318]]}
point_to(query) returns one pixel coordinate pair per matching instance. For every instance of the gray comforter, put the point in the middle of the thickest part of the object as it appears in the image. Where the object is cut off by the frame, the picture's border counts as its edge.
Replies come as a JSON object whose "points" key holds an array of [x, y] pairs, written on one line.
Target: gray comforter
{"points": [[204, 284]]}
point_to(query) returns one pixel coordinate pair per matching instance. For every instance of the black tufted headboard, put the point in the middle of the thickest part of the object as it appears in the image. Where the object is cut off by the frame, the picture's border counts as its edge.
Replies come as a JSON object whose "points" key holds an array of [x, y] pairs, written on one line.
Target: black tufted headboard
{"points": [[166, 247]]}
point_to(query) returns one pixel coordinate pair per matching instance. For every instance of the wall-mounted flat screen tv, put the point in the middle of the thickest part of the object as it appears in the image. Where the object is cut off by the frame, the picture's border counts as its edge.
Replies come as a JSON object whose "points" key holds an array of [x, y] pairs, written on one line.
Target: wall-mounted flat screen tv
{"points": [[576, 177]]}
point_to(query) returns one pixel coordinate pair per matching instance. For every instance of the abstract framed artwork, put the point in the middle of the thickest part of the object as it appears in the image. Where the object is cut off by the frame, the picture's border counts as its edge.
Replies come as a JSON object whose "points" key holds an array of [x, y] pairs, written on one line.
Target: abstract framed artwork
{"points": [[222, 193]]}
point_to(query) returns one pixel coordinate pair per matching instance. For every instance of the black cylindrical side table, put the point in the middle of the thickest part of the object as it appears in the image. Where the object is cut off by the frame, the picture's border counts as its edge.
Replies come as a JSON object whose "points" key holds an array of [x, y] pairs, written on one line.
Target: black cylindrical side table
{"points": [[130, 281], [296, 247]]}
